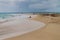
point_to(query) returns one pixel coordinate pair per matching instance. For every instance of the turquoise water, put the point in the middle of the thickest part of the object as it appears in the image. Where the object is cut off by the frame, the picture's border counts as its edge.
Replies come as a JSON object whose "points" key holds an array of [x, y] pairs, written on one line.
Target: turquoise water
{"points": [[4, 16]]}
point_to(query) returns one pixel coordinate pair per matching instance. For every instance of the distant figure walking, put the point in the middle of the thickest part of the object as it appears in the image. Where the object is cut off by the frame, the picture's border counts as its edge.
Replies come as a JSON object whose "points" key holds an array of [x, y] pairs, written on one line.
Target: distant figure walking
{"points": [[30, 17]]}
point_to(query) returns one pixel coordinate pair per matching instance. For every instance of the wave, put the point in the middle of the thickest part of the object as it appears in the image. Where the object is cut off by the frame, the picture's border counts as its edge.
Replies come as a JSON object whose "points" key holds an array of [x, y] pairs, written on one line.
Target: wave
{"points": [[11, 17]]}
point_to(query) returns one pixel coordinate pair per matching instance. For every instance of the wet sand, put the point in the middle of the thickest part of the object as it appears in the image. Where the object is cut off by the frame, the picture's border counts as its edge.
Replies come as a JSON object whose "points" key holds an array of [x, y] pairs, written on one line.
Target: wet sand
{"points": [[50, 32], [18, 26]]}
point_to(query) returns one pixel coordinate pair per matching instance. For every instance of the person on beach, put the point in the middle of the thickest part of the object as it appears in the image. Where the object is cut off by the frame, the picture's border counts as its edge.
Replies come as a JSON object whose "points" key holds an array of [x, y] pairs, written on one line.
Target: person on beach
{"points": [[30, 17]]}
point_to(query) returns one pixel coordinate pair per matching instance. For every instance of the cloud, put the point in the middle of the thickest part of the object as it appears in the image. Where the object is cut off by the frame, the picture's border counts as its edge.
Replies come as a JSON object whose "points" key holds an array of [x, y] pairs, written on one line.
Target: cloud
{"points": [[47, 5], [21, 0], [9, 5], [29, 5], [44, 4], [39, 6], [6, 6]]}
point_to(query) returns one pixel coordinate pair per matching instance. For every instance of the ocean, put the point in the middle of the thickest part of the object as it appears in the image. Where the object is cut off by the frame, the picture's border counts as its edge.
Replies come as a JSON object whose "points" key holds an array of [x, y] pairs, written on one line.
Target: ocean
{"points": [[7, 16], [11, 15], [4, 15]]}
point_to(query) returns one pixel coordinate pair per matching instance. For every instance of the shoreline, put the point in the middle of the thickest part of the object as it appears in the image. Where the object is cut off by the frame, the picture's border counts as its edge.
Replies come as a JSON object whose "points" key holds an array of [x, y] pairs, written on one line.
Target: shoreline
{"points": [[19, 26], [14, 16], [50, 32]]}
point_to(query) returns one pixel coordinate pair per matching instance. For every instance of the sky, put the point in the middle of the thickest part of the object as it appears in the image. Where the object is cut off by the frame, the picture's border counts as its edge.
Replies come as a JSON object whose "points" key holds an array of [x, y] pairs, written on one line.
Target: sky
{"points": [[29, 5]]}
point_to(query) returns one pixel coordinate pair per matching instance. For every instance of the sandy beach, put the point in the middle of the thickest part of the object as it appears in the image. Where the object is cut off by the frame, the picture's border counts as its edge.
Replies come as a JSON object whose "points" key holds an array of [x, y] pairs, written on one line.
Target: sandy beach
{"points": [[51, 31], [18, 26]]}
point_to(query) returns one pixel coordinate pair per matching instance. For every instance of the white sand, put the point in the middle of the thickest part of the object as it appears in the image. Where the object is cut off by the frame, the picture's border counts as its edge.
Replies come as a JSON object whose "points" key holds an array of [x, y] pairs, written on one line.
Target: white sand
{"points": [[18, 26]]}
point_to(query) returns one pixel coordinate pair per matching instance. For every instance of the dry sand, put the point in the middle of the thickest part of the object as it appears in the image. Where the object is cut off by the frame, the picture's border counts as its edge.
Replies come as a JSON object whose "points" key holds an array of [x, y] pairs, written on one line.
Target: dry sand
{"points": [[50, 32]]}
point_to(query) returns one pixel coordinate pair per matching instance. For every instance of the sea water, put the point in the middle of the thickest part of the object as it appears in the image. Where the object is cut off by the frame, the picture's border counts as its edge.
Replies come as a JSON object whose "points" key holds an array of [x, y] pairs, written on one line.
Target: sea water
{"points": [[11, 15], [5, 16]]}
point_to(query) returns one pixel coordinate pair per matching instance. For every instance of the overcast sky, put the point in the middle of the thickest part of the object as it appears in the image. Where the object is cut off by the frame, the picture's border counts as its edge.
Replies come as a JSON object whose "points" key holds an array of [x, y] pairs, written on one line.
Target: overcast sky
{"points": [[29, 5]]}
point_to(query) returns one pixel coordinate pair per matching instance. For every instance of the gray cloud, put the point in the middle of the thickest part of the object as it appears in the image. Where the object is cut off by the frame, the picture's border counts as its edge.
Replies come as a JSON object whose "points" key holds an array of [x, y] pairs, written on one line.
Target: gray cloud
{"points": [[29, 5]]}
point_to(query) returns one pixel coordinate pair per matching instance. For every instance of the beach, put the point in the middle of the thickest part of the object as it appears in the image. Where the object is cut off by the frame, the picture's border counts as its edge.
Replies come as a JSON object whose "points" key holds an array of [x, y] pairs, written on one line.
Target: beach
{"points": [[51, 31], [18, 25]]}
